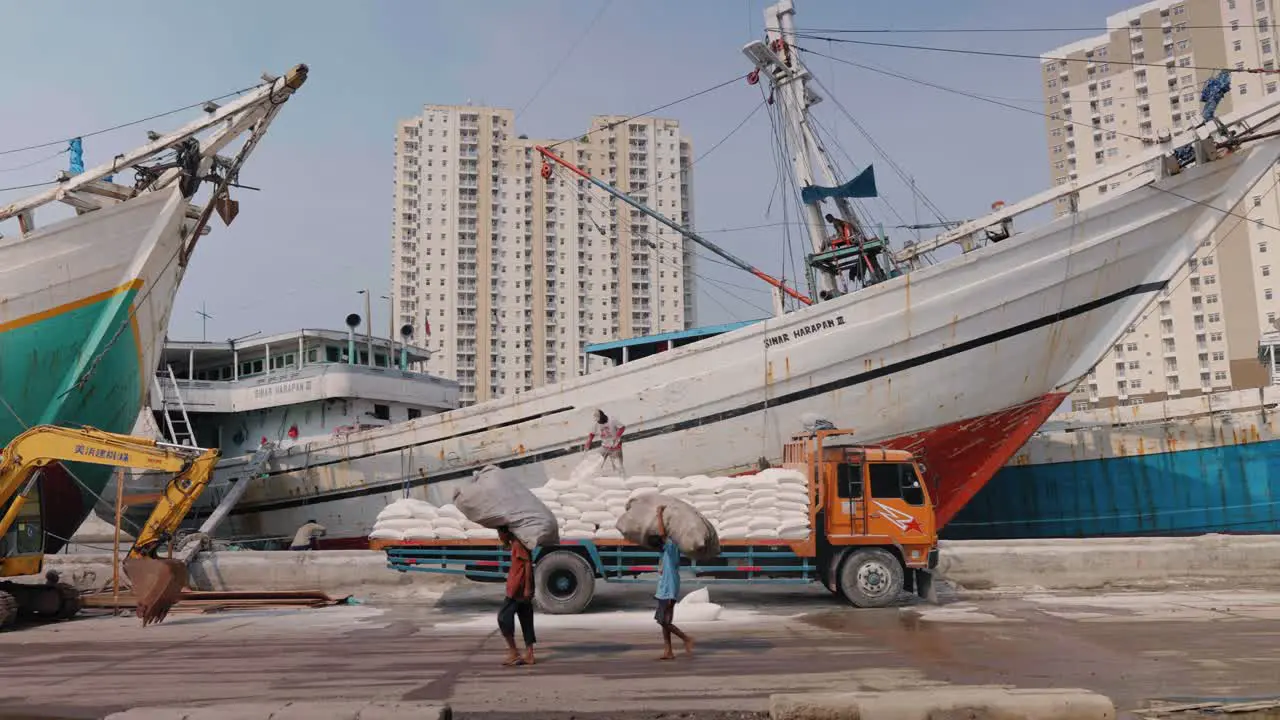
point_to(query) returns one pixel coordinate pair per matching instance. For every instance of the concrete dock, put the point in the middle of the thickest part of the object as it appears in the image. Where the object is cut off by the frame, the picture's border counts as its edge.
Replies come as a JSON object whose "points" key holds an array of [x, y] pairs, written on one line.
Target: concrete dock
{"points": [[441, 648]]}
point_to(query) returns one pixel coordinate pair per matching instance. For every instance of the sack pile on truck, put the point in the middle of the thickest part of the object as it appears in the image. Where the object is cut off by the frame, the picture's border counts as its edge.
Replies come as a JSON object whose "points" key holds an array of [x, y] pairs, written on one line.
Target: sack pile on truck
{"points": [[494, 499], [772, 505], [412, 519], [695, 535]]}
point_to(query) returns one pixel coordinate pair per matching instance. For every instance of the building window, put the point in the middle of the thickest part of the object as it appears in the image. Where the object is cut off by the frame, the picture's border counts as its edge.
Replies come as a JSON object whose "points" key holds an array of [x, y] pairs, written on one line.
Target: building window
{"points": [[1262, 246], [1080, 405], [1134, 365], [1219, 356], [1266, 271], [1244, 89], [1135, 384], [414, 413], [1236, 46], [1211, 299], [1220, 375], [1215, 317], [1266, 45], [1215, 336], [381, 412], [1267, 293]]}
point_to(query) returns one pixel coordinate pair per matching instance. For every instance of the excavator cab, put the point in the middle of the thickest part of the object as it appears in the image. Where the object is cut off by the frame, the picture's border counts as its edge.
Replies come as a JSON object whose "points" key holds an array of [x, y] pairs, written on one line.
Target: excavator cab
{"points": [[157, 582]]}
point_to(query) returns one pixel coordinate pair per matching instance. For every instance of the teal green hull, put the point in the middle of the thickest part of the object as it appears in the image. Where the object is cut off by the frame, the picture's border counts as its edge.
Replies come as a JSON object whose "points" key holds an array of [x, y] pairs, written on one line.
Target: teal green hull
{"points": [[74, 366]]}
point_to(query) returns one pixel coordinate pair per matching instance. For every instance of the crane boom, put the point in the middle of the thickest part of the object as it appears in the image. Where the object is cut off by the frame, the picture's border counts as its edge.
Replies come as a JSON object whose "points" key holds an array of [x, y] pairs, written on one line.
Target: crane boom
{"points": [[733, 259]]}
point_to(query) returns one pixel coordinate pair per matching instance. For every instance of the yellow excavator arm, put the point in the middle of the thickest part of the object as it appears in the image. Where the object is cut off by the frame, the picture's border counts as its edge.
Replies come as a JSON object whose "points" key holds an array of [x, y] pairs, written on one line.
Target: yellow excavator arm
{"points": [[22, 458]]}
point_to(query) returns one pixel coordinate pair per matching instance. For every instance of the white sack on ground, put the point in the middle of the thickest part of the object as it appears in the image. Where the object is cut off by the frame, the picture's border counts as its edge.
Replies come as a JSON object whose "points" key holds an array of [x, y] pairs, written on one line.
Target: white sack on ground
{"points": [[494, 499], [695, 535]]}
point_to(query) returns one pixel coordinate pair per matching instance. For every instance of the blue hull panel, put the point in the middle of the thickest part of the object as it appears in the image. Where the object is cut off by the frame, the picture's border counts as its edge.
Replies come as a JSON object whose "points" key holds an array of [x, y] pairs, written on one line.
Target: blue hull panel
{"points": [[1232, 488]]}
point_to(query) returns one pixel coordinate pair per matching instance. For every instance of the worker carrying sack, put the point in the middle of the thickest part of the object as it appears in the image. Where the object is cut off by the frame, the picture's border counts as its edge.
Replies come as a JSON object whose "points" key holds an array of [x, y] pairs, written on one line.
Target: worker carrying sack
{"points": [[695, 535], [494, 499]]}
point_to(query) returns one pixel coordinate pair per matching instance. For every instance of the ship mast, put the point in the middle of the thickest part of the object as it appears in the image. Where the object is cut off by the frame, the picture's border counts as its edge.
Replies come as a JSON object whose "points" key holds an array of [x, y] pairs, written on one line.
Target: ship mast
{"points": [[778, 62]]}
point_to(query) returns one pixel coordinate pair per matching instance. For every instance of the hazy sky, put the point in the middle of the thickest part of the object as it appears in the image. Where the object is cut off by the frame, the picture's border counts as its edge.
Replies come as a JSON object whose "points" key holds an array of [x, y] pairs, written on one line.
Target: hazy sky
{"points": [[320, 229]]}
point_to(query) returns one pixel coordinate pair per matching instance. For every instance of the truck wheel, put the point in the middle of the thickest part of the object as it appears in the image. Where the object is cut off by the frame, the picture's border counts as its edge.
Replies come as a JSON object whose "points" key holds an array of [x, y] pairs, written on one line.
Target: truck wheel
{"points": [[871, 578], [564, 583]]}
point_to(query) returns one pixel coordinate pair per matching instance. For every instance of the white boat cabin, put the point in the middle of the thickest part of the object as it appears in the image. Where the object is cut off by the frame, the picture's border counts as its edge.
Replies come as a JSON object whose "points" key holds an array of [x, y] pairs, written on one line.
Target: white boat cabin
{"points": [[291, 388]]}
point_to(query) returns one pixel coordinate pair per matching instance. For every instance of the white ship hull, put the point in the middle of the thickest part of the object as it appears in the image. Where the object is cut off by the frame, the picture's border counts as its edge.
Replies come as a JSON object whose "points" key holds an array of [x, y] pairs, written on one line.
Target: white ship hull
{"points": [[84, 305], [959, 362]]}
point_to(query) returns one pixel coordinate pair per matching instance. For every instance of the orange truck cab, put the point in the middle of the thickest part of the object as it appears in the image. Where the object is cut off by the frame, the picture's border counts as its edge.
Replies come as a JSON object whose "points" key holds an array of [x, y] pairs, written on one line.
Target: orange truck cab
{"points": [[876, 531]]}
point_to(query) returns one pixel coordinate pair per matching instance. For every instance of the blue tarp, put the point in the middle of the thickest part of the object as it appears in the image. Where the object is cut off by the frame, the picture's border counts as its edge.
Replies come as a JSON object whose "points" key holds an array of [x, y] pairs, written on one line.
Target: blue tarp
{"points": [[1214, 90], [862, 186], [77, 156]]}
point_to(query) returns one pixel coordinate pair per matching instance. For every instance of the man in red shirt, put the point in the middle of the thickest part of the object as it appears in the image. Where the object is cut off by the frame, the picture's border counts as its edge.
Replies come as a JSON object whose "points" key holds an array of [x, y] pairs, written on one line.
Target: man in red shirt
{"points": [[519, 601]]}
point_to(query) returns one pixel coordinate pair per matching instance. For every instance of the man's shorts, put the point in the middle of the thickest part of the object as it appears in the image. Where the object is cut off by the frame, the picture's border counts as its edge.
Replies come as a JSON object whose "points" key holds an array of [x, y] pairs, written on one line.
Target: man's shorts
{"points": [[666, 611]]}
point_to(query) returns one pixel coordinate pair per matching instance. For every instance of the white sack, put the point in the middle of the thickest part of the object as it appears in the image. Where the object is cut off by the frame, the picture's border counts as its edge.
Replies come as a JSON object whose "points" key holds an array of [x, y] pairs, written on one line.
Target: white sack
{"points": [[381, 534], [401, 524], [397, 510]]}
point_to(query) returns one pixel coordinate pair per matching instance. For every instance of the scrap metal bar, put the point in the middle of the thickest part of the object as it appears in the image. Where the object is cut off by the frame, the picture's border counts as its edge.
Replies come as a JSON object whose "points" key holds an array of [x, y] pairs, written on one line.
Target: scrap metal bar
{"points": [[736, 261]]}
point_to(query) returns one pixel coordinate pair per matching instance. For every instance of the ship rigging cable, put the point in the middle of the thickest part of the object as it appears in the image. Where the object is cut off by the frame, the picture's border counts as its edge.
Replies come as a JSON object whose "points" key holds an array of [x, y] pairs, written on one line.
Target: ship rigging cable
{"points": [[33, 163], [902, 174], [121, 126], [1025, 56], [961, 31], [650, 111], [944, 88], [565, 58]]}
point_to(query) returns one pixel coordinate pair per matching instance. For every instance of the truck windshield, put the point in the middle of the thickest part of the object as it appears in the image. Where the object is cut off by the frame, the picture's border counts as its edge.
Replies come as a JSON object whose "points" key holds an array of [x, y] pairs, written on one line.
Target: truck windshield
{"points": [[896, 481]]}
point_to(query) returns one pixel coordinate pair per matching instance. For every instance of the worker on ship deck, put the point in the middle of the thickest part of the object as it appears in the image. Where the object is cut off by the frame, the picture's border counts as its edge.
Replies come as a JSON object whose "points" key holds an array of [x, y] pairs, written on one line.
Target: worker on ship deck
{"points": [[844, 232], [610, 433]]}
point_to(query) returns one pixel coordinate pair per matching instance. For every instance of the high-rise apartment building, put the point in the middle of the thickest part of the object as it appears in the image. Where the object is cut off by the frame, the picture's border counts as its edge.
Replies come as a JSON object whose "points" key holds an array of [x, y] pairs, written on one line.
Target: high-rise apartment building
{"points": [[513, 272], [1106, 98]]}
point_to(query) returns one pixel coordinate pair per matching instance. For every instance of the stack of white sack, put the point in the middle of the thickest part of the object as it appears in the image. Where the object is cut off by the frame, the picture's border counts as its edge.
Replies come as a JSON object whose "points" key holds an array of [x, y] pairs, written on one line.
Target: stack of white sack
{"points": [[769, 506], [410, 519]]}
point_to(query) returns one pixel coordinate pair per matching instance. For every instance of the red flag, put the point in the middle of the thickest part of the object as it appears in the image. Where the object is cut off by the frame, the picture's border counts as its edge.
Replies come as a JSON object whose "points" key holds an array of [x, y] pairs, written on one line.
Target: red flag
{"points": [[428, 322]]}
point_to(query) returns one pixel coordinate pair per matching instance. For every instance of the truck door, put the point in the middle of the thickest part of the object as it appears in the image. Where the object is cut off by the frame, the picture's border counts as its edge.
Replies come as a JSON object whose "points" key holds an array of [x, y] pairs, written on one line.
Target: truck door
{"points": [[897, 507], [844, 507]]}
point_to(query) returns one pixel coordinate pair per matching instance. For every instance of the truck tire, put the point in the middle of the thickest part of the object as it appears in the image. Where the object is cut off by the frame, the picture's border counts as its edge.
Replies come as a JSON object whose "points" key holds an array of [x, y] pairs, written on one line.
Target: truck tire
{"points": [[563, 583], [871, 578]]}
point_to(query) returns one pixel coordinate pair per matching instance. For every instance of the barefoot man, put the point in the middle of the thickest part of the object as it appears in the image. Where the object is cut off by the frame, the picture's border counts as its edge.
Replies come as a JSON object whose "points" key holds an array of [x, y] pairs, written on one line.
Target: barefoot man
{"points": [[669, 592], [519, 601]]}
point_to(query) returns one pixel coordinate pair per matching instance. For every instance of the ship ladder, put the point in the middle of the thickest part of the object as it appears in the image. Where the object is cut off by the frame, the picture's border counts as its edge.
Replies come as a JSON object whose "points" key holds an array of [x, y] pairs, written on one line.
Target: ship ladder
{"points": [[174, 409]]}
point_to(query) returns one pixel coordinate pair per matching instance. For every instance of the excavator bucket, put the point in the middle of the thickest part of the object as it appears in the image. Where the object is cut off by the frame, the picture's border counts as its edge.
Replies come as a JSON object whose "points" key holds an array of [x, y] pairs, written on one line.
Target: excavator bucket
{"points": [[157, 583]]}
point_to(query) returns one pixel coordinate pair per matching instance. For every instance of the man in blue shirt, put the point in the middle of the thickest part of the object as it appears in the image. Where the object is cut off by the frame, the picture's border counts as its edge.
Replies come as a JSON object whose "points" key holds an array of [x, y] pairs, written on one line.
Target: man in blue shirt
{"points": [[669, 591]]}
